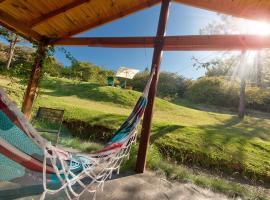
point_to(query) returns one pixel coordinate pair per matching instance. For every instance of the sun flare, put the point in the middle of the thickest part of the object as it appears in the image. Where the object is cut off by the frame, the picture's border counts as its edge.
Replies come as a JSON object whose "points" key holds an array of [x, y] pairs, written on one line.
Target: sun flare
{"points": [[255, 27]]}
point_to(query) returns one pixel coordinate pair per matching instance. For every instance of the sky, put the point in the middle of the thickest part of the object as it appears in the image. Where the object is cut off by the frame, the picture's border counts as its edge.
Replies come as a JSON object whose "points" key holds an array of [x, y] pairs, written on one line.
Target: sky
{"points": [[183, 20]]}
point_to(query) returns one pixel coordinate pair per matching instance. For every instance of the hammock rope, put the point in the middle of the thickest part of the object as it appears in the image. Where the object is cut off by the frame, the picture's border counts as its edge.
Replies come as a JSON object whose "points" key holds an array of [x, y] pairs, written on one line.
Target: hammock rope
{"points": [[75, 173]]}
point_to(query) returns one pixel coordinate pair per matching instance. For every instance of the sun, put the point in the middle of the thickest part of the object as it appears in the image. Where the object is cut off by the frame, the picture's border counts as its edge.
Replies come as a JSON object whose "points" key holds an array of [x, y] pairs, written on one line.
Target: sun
{"points": [[254, 27]]}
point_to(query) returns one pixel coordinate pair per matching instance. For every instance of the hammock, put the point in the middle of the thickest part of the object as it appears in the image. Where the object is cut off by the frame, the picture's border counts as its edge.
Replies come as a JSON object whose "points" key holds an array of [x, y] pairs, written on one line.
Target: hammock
{"points": [[23, 149]]}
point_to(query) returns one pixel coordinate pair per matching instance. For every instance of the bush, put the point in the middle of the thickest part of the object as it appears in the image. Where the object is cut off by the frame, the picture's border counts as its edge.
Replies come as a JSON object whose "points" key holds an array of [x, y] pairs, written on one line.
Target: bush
{"points": [[170, 85], [213, 90], [85, 71], [258, 99], [223, 92]]}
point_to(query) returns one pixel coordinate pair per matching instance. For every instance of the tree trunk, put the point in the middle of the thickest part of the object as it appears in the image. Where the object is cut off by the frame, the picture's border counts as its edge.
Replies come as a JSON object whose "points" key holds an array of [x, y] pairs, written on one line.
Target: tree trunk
{"points": [[241, 108], [11, 51], [259, 70]]}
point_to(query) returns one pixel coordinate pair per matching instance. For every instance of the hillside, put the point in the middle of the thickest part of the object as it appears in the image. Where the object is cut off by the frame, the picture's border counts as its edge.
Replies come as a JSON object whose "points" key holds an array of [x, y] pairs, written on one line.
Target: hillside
{"points": [[214, 141]]}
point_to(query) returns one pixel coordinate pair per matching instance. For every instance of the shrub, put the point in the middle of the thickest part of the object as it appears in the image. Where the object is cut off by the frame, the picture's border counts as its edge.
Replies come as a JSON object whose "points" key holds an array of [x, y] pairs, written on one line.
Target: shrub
{"points": [[85, 71], [213, 90], [170, 84], [223, 92], [257, 98]]}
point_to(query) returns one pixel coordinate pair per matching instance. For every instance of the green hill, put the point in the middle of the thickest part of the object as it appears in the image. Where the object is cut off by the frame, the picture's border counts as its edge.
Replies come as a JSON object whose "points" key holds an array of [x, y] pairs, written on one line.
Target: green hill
{"points": [[214, 141]]}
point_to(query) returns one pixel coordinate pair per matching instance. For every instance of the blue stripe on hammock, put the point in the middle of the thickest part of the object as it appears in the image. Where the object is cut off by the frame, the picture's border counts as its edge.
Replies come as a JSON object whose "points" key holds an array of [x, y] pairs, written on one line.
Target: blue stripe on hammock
{"points": [[16, 137], [131, 123]]}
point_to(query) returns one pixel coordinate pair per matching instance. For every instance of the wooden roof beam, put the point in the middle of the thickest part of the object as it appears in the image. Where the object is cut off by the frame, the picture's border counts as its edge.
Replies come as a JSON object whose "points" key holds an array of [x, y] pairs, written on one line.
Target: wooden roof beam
{"points": [[13, 24], [176, 43], [46, 17], [216, 42], [113, 42]]}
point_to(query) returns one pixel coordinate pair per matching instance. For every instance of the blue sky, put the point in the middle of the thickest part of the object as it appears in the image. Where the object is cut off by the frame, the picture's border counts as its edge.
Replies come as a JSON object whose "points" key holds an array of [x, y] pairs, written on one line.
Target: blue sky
{"points": [[183, 20]]}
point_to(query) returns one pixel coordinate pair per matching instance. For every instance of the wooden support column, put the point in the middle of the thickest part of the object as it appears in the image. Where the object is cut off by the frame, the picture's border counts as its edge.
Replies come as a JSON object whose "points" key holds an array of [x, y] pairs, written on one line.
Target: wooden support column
{"points": [[157, 55], [33, 81]]}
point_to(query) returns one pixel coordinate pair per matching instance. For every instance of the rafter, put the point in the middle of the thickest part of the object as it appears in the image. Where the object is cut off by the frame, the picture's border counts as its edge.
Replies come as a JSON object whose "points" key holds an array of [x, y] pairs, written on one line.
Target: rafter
{"points": [[118, 42], [176, 43], [216, 42], [56, 12], [11, 23]]}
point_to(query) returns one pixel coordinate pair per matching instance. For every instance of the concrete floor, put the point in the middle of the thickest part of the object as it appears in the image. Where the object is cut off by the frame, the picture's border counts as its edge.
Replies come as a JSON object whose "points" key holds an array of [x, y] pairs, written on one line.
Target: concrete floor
{"points": [[147, 186]]}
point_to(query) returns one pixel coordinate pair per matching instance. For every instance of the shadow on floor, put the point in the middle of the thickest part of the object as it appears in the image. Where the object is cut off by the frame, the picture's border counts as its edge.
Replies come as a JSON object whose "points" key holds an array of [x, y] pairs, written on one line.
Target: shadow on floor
{"points": [[27, 192]]}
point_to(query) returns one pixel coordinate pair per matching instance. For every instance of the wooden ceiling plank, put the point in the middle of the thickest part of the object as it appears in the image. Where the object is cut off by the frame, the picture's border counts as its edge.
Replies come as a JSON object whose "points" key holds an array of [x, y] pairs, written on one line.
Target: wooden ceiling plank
{"points": [[56, 12], [175, 43], [111, 18], [256, 10], [11, 23]]}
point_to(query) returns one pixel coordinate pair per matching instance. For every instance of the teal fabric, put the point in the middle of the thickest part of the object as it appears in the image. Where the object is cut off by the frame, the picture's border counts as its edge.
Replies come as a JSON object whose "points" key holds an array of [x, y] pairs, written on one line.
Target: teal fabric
{"points": [[16, 137], [131, 123], [9, 169]]}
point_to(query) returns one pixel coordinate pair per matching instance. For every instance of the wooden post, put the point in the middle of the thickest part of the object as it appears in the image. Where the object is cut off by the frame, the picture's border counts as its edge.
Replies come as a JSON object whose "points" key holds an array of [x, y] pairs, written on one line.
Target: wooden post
{"points": [[146, 127], [33, 81]]}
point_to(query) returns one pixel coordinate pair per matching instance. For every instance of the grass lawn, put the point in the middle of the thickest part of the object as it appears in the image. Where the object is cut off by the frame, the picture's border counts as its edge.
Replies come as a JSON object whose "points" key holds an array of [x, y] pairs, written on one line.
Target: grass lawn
{"points": [[209, 140]]}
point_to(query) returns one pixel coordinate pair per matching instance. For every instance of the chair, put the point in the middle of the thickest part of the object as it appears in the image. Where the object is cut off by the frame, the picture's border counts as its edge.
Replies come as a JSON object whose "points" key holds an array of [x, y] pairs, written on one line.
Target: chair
{"points": [[50, 115], [110, 80]]}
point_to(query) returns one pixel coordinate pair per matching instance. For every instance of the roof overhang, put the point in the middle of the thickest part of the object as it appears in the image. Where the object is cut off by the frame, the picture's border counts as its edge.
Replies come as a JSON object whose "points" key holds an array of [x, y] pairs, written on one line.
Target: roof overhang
{"points": [[46, 21]]}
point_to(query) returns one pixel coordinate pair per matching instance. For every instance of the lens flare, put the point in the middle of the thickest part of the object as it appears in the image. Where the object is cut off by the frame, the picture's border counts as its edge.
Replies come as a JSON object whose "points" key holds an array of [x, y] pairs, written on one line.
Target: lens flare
{"points": [[247, 65], [254, 27]]}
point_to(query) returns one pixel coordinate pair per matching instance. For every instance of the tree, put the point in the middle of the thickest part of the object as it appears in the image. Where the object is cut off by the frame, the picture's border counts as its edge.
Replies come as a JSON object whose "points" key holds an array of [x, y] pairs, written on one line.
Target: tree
{"points": [[217, 66], [170, 85], [242, 96], [226, 25], [12, 39]]}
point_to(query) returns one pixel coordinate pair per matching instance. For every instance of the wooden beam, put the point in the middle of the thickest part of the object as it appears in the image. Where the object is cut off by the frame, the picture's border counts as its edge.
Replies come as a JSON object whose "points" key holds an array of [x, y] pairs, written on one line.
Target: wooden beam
{"points": [[33, 81], [113, 42], [175, 43], [124, 13], [216, 42], [147, 120], [47, 16], [11, 23]]}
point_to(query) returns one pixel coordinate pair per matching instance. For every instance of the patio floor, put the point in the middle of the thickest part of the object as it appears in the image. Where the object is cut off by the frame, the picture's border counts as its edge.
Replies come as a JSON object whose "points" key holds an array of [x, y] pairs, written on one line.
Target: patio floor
{"points": [[147, 186]]}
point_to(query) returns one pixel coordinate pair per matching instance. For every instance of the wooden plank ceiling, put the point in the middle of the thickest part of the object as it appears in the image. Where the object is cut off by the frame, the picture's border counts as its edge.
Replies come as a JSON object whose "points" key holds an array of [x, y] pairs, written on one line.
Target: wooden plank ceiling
{"points": [[54, 19], [41, 19], [249, 9]]}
